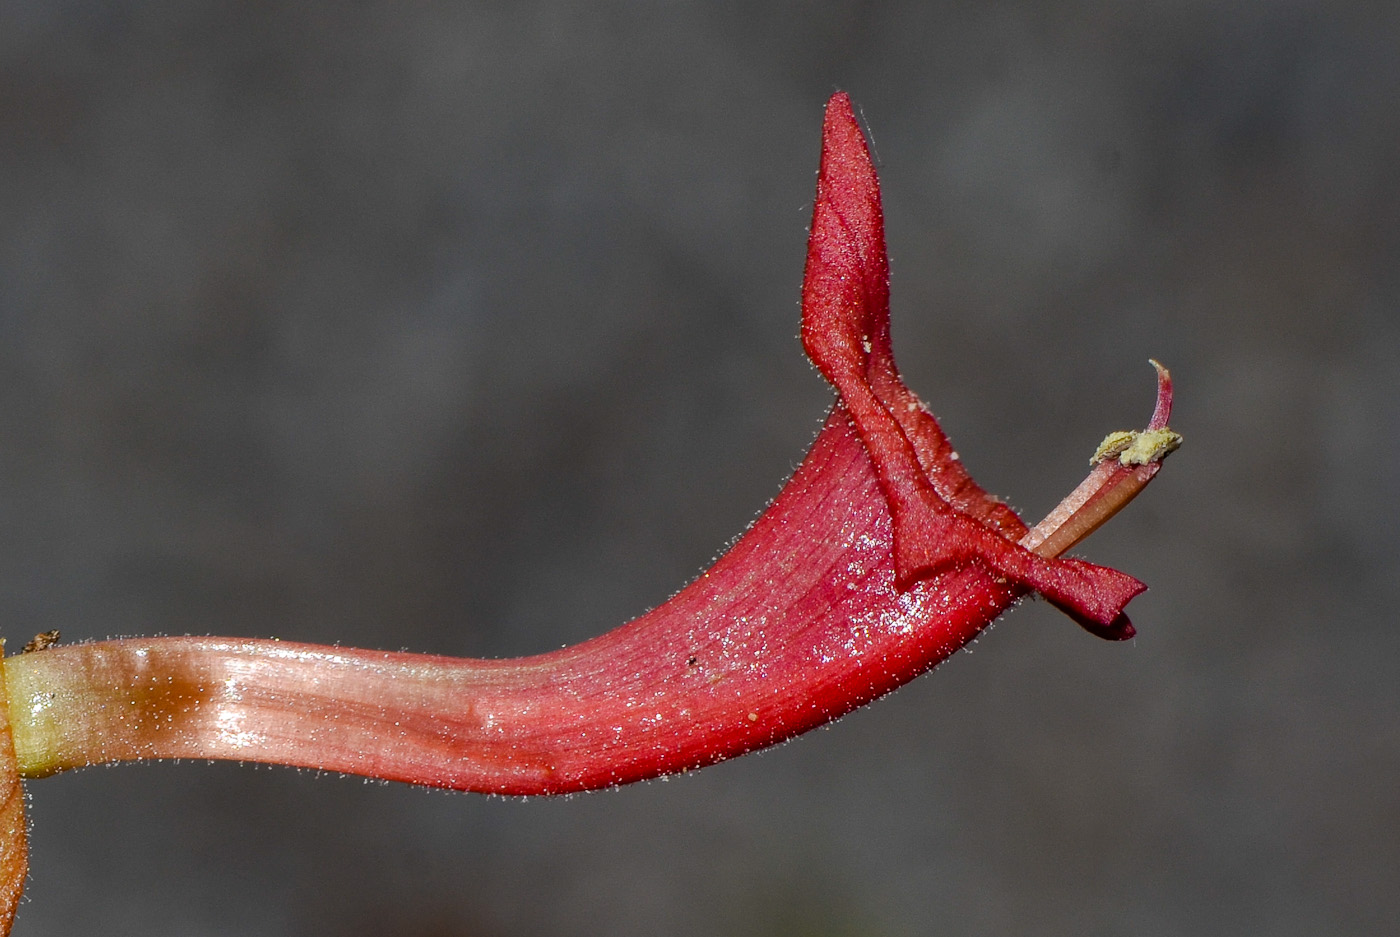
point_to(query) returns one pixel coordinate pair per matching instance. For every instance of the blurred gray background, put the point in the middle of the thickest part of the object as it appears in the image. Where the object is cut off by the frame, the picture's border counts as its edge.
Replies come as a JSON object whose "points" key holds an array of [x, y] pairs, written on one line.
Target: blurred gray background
{"points": [[471, 328]]}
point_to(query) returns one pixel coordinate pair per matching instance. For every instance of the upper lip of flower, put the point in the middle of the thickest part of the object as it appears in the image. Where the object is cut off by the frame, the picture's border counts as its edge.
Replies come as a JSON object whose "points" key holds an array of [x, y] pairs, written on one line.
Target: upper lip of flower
{"points": [[941, 517]]}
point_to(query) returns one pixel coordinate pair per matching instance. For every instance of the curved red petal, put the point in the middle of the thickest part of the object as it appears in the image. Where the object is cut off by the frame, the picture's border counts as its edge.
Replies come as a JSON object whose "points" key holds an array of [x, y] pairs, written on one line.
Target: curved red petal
{"points": [[941, 517], [879, 558]]}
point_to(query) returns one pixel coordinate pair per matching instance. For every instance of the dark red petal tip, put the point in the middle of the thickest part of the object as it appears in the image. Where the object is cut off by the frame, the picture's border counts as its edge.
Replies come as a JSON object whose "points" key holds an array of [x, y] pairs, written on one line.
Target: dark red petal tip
{"points": [[1120, 629]]}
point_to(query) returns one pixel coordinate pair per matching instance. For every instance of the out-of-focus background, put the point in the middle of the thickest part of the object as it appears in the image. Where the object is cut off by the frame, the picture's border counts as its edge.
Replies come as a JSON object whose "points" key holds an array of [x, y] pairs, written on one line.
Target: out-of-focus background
{"points": [[471, 328]]}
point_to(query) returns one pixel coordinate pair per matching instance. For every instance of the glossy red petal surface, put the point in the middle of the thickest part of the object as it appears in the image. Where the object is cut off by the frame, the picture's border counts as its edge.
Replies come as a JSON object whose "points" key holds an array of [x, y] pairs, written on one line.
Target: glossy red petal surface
{"points": [[800, 622]]}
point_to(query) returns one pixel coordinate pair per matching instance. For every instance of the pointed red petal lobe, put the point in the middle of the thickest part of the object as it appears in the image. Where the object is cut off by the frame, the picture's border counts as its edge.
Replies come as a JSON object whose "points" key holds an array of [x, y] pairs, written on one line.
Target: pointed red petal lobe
{"points": [[845, 311], [941, 517]]}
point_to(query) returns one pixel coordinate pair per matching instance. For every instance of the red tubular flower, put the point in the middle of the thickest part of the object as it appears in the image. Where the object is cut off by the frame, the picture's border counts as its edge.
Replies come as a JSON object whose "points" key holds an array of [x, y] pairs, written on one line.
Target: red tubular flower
{"points": [[880, 558]]}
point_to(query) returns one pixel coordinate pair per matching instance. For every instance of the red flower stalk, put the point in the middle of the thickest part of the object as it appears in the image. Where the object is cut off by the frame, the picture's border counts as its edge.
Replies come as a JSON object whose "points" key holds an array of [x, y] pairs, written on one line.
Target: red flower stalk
{"points": [[880, 558]]}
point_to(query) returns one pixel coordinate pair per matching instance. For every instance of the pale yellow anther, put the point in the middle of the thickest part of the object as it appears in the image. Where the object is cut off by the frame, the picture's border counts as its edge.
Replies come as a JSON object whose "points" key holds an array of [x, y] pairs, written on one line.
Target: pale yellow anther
{"points": [[1137, 448], [1113, 444], [1152, 445]]}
